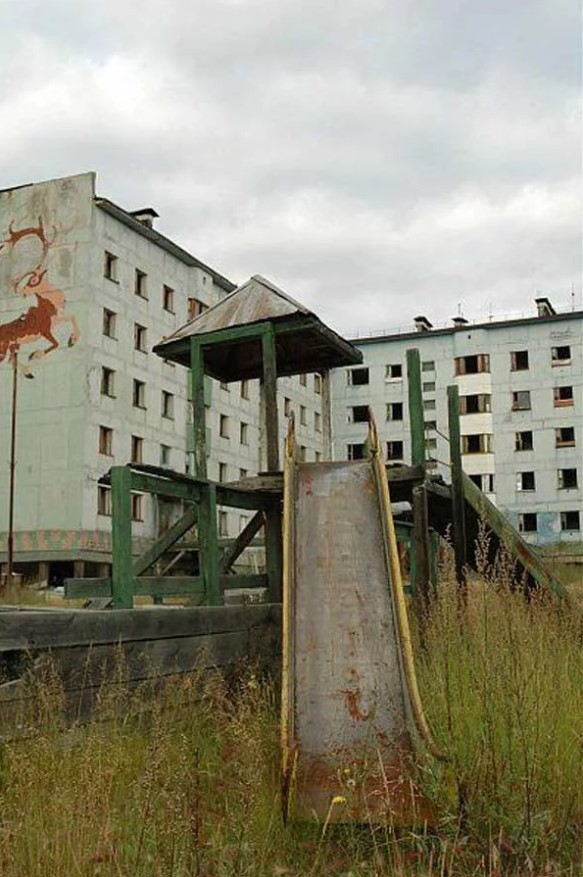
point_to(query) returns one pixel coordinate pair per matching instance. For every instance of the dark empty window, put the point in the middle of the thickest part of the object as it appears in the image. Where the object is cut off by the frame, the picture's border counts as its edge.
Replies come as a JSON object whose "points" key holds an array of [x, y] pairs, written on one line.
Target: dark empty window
{"points": [[521, 400], [137, 449], [567, 479], [196, 308], [139, 394], [357, 377], [523, 441], [519, 360], [395, 411], [563, 396], [140, 287], [477, 443], [358, 414], [107, 382], [565, 437], [168, 299], [109, 323], [570, 520], [525, 481], [527, 522], [394, 451], [477, 403], [561, 355], [471, 365], [394, 371], [355, 451], [110, 266]]}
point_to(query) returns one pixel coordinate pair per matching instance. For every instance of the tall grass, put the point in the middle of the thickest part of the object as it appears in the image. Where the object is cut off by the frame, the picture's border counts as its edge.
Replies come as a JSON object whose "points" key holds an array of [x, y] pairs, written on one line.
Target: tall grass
{"points": [[187, 782]]}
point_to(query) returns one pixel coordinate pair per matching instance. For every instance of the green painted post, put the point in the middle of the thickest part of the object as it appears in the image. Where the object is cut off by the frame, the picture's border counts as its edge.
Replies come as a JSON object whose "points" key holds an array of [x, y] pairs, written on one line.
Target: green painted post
{"points": [[208, 541], [421, 550], [270, 395], [457, 485], [416, 418], [122, 571], [198, 407]]}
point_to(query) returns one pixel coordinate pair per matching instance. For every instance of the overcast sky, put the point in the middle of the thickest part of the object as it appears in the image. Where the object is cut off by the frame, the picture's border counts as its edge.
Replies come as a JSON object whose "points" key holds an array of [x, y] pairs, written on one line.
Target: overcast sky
{"points": [[375, 158]]}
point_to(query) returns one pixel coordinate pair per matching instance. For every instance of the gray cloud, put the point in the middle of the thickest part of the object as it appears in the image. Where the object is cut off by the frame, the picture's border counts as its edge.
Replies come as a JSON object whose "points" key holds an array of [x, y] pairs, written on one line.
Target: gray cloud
{"points": [[374, 158]]}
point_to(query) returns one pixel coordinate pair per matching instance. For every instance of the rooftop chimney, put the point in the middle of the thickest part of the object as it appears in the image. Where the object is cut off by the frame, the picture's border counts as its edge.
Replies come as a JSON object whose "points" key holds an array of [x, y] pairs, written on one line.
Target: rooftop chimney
{"points": [[459, 322], [422, 324], [544, 307], [146, 216]]}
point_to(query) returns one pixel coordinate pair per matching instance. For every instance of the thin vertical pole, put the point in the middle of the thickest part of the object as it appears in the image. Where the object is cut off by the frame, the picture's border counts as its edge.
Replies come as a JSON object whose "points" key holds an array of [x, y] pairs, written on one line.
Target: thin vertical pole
{"points": [[416, 419], [326, 416], [270, 396], [10, 571], [122, 566], [198, 408], [457, 485]]}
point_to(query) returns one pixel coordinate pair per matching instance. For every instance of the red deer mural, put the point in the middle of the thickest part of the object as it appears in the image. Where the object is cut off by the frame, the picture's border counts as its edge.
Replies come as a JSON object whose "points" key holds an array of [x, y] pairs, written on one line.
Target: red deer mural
{"points": [[40, 321]]}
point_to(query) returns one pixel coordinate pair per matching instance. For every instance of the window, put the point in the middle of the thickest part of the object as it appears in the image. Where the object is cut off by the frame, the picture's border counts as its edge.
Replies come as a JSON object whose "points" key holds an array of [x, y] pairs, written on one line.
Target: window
{"points": [[303, 415], [109, 323], [244, 433], [223, 472], [137, 506], [243, 473], [394, 372], [394, 451], [168, 299], [302, 453], [165, 451], [523, 441], [223, 524], [139, 337], [525, 481], [478, 443], [428, 366], [484, 482], [244, 389], [167, 405], [430, 424], [355, 451], [561, 355], [139, 394], [429, 404], [472, 365], [570, 520], [110, 266], [395, 411], [563, 397], [303, 380], [103, 500], [357, 377], [108, 382], [317, 422], [358, 414], [223, 426], [527, 522], [287, 408], [567, 479], [429, 386], [318, 456], [106, 441], [565, 437], [140, 287], [196, 308], [521, 400], [318, 384], [519, 360], [137, 449], [431, 444], [478, 403]]}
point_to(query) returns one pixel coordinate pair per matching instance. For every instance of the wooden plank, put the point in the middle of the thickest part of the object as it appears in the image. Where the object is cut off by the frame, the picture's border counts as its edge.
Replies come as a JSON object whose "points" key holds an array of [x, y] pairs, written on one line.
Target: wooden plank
{"points": [[421, 550], [242, 499], [242, 541], [198, 407], [164, 542], [416, 416], [167, 487], [209, 548], [244, 580], [269, 389], [90, 587], [274, 553], [121, 538], [457, 487], [37, 629]]}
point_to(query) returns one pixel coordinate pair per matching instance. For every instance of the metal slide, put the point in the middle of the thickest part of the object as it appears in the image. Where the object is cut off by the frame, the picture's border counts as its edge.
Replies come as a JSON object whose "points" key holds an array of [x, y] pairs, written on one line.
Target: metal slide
{"points": [[349, 701]]}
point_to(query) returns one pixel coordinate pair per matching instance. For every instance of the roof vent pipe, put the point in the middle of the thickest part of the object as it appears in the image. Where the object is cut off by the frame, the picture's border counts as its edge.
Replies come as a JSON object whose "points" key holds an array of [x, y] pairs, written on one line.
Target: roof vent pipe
{"points": [[146, 216], [459, 322], [544, 307], [422, 324]]}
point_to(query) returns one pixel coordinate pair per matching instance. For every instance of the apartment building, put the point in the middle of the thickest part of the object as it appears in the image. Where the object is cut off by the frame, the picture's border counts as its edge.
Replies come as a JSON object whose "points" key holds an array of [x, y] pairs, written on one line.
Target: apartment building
{"points": [[86, 290], [520, 385]]}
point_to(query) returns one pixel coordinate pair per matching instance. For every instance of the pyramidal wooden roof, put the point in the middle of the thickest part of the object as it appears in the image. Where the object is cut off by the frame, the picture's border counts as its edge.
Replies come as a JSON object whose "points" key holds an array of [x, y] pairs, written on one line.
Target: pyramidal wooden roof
{"points": [[303, 342]]}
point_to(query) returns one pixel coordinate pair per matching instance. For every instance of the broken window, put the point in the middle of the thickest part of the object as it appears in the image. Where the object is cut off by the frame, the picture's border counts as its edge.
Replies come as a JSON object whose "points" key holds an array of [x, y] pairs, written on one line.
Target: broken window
{"points": [[357, 377], [140, 287], [523, 441], [561, 355], [519, 360], [570, 520], [106, 440], [110, 266], [563, 397], [394, 372], [355, 451], [525, 481], [395, 451], [565, 437], [108, 382], [109, 323], [521, 400], [527, 522], [567, 479], [168, 299], [358, 414], [395, 411]]}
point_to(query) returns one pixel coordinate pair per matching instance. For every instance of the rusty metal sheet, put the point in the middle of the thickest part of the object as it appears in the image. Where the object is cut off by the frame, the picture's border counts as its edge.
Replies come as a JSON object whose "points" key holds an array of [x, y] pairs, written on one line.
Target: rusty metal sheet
{"points": [[348, 707]]}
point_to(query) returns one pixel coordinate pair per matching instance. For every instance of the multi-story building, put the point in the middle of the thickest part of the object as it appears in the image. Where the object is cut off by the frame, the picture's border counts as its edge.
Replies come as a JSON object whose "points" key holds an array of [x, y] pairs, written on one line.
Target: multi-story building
{"points": [[520, 385], [86, 290]]}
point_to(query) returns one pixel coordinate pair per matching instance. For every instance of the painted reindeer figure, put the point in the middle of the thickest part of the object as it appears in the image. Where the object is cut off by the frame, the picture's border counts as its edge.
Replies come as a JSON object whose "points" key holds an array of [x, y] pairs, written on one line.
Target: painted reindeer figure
{"points": [[39, 321]]}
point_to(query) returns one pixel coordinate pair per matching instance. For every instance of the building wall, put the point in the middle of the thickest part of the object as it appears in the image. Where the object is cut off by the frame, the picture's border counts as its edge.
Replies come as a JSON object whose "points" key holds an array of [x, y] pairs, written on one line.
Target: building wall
{"points": [[498, 465]]}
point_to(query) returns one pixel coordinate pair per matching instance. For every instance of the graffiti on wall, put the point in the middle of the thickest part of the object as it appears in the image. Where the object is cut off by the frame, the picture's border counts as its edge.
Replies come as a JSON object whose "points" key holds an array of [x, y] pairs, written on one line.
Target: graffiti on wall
{"points": [[29, 250]]}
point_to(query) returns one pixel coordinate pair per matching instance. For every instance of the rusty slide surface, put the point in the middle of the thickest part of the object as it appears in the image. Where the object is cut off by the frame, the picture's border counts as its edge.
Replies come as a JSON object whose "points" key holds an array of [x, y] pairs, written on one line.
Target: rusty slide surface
{"points": [[345, 730]]}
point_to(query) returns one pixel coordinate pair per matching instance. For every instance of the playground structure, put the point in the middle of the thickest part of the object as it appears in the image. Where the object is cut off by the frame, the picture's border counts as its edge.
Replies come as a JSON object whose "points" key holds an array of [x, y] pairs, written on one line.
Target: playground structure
{"points": [[350, 707]]}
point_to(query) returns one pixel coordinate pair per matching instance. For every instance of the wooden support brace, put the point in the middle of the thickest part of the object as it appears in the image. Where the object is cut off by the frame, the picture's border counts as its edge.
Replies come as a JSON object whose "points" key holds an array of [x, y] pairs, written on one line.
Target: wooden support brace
{"points": [[122, 572], [242, 541], [169, 538]]}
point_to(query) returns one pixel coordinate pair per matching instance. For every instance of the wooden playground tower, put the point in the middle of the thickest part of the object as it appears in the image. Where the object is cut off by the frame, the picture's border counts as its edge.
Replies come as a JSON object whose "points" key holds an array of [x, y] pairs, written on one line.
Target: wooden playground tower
{"points": [[260, 332]]}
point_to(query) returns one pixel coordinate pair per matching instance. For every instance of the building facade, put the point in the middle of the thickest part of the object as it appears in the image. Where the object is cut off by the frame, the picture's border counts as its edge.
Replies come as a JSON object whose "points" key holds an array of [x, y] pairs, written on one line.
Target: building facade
{"points": [[86, 290], [520, 385]]}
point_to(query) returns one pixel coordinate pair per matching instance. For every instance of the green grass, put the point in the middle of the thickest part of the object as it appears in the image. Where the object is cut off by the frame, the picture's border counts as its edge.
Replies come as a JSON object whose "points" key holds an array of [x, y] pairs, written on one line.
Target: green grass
{"points": [[189, 785]]}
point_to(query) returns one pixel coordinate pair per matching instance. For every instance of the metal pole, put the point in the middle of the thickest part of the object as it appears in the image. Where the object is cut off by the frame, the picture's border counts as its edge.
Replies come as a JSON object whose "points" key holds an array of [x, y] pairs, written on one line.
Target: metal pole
{"points": [[12, 471]]}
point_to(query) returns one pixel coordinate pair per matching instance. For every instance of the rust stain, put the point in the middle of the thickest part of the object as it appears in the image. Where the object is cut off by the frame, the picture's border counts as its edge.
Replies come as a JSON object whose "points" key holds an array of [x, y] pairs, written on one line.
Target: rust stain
{"points": [[352, 701]]}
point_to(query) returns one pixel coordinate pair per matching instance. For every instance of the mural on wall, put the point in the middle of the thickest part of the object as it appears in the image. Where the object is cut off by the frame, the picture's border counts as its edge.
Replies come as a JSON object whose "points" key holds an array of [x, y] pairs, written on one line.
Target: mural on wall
{"points": [[29, 250]]}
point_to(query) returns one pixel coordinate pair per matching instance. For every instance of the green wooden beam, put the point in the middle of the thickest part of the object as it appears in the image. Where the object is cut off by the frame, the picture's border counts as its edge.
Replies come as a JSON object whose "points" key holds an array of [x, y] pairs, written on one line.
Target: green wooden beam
{"points": [[421, 550], [416, 416], [166, 487], [457, 486], [274, 553], [244, 538], [198, 407], [208, 542], [162, 586], [269, 389], [234, 497], [121, 538], [166, 541]]}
